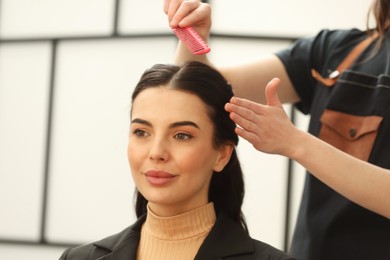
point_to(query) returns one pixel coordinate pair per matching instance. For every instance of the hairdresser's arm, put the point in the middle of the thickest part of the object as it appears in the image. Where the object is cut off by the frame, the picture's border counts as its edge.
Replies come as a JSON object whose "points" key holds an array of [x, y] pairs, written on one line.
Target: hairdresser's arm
{"points": [[248, 80], [361, 182], [269, 129]]}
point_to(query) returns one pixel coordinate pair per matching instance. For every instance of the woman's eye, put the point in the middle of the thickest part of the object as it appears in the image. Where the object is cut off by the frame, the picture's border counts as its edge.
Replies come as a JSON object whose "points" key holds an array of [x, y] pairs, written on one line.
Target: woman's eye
{"points": [[140, 133], [183, 136]]}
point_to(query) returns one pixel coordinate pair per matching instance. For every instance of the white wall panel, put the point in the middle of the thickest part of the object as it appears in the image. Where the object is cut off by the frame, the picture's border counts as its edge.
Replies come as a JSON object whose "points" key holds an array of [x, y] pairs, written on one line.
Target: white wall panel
{"points": [[20, 252], [91, 189], [24, 85], [227, 51], [141, 17], [287, 17], [298, 176], [265, 195], [53, 18]]}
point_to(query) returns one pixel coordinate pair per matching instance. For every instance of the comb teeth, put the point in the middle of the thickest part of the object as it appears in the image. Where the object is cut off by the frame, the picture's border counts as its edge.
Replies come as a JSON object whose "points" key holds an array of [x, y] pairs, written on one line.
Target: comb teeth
{"points": [[192, 40]]}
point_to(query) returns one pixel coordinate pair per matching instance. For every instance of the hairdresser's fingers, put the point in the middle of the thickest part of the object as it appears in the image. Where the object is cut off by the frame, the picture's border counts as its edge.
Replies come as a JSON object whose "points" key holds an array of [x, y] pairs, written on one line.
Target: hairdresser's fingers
{"points": [[245, 113], [246, 105], [166, 6], [249, 136], [249, 123], [243, 116], [271, 93], [200, 15], [190, 13], [170, 7]]}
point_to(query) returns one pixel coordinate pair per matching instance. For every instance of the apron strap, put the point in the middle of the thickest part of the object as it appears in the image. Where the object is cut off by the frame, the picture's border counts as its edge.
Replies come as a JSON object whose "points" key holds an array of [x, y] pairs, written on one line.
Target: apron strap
{"points": [[346, 63]]}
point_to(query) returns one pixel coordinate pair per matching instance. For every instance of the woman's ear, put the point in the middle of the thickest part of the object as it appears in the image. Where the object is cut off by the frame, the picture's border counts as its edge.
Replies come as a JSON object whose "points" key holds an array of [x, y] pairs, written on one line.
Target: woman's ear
{"points": [[225, 152]]}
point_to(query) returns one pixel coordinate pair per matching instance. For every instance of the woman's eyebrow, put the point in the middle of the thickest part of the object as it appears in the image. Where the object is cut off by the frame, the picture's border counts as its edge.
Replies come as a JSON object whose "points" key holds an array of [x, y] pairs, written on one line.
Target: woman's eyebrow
{"points": [[184, 123], [141, 121], [173, 125]]}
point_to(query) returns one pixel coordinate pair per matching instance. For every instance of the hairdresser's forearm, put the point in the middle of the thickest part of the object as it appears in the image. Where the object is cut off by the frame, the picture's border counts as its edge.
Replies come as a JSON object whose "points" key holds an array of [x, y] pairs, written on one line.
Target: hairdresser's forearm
{"points": [[183, 54], [359, 181]]}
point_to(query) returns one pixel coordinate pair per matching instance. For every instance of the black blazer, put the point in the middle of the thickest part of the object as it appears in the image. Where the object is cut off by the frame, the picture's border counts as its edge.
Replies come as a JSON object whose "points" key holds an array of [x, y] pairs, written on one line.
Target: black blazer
{"points": [[226, 240]]}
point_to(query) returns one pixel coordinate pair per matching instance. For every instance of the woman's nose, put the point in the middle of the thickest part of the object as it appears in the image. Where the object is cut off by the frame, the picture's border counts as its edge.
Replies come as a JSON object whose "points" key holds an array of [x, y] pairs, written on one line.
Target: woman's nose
{"points": [[159, 151]]}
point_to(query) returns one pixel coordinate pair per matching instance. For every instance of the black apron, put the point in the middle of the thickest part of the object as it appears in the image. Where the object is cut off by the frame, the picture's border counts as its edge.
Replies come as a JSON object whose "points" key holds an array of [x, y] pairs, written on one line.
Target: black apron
{"points": [[354, 116]]}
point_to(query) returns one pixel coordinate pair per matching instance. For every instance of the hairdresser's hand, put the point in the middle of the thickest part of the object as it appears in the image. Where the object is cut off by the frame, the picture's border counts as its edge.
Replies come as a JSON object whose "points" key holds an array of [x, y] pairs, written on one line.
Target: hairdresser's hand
{"points": [[266, 127], [193, 13]]}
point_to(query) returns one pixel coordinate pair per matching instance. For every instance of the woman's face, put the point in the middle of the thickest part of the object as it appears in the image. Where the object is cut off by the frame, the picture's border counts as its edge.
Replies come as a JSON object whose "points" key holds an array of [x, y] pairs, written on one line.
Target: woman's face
{"points": [[171, 151]]}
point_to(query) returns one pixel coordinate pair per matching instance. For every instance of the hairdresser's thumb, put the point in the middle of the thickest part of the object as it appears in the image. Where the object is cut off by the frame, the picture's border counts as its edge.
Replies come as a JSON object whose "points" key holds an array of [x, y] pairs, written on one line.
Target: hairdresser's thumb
{"points": [[271, 92]]}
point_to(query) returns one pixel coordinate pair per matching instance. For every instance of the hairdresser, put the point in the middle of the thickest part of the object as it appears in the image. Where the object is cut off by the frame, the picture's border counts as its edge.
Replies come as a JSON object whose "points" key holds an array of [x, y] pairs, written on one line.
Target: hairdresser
{"points": [[341, 78]]}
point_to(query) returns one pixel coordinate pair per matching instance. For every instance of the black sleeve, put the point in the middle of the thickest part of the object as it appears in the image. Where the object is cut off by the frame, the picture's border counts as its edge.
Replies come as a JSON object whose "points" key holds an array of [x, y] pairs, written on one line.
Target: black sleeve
{"points": [[299, 59], [266, 251], [323, 53]]}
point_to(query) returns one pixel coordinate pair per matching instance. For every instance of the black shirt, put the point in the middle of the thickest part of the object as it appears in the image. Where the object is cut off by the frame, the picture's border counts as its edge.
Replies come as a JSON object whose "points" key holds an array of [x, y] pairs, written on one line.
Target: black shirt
{"points": [[354, 114]]}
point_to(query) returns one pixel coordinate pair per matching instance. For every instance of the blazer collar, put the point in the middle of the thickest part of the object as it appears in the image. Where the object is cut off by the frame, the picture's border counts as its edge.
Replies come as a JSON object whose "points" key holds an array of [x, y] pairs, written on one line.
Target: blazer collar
{"points": [[221, 241], [122, 246]]}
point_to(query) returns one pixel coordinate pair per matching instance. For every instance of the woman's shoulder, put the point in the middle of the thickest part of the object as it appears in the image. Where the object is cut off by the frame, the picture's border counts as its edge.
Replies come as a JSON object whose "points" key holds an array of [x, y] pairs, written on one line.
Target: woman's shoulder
{"points": [[266, 251], [229, 240], [128, 237], [98, 248], [79, 252]]}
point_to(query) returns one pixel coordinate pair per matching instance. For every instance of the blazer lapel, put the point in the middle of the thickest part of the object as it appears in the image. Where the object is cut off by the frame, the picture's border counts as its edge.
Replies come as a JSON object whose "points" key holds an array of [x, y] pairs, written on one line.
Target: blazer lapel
{"points": [[126, 250], [226, 238], [122, 246]]}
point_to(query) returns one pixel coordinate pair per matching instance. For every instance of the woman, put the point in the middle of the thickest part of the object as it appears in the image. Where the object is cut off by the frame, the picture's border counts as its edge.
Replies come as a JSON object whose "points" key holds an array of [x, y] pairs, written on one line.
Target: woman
{"points": [[184, 164], [344, 213]]}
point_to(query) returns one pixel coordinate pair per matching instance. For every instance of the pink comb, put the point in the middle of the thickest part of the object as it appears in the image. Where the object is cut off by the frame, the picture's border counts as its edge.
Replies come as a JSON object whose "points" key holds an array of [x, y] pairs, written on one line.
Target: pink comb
{"points": [[192, 40]]}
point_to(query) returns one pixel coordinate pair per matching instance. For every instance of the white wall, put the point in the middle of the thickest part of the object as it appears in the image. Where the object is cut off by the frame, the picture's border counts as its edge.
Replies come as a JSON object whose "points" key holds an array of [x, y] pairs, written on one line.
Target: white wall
{"points": [[57, 192]]}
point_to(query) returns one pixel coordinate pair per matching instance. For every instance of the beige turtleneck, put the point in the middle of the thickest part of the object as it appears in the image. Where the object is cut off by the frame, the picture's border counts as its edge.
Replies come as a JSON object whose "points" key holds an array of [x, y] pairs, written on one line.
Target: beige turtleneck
{"points": [[177, 237]]}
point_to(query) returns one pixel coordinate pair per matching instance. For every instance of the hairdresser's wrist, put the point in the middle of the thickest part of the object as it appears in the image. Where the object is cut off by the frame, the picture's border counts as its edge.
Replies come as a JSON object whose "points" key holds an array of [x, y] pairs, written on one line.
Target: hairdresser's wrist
{"points": [[296, 146], [183, 54]]}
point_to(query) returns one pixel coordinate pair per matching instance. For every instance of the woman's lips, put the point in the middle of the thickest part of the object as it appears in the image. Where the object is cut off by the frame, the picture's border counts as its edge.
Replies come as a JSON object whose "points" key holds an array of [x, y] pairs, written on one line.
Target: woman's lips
{"points": [[156, 177]]}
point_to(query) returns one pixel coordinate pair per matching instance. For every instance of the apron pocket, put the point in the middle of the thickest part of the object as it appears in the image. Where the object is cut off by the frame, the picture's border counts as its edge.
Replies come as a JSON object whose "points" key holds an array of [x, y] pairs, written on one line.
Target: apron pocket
{"points": [[352, 134]]}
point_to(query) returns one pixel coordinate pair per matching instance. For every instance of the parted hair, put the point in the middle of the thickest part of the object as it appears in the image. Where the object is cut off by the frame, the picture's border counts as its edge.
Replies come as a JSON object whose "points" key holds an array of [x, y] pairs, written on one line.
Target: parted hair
{"points": [[226, 189]]}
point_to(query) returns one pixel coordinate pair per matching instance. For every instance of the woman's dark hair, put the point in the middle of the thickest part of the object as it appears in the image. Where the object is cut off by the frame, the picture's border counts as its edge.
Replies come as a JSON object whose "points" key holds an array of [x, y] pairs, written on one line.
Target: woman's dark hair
{"points": [[226, 189]]}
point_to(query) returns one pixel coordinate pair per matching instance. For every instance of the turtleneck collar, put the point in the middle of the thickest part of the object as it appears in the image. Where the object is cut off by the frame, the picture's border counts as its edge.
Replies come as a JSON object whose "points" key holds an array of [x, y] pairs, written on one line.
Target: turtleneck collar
{"points": [[183, 226]]}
